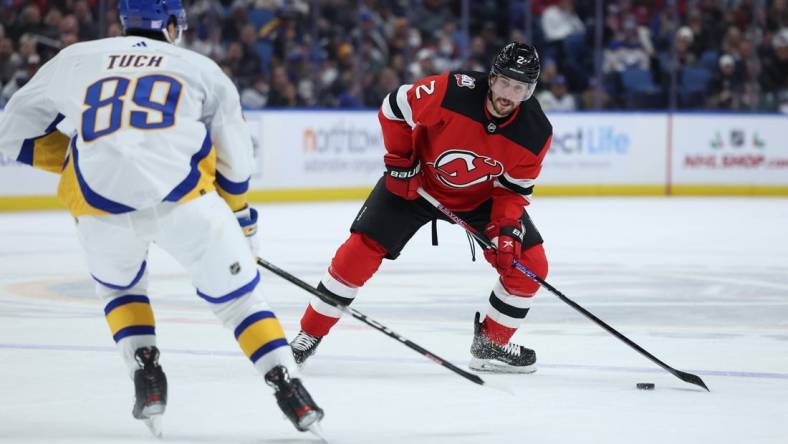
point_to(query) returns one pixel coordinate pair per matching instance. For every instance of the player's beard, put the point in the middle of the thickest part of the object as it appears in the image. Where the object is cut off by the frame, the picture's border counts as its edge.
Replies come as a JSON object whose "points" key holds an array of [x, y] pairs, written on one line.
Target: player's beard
{"points": [[503, 107]]}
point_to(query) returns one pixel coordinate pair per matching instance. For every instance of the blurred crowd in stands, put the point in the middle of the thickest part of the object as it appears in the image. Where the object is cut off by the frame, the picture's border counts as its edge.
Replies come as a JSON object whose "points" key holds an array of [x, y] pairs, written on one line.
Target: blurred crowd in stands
{"points": [[643, 54]]}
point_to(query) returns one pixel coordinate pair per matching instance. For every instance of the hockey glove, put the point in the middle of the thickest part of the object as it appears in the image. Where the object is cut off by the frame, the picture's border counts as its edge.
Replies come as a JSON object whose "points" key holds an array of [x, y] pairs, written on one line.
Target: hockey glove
{"points": [[403, 176], [508, 239], [247, 218]]}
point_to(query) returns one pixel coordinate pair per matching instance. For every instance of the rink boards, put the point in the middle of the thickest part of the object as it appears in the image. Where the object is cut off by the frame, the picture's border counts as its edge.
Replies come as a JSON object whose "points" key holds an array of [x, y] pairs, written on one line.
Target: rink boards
{"points": [[333, 155]]}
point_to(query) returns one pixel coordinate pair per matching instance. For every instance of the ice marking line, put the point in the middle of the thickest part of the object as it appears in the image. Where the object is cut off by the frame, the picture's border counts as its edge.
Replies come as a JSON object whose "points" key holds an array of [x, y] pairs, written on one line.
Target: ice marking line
{"points": [[234, 354]]}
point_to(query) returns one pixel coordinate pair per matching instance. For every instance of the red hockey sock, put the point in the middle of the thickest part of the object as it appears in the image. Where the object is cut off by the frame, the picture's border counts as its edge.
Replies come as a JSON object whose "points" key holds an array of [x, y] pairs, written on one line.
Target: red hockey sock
{"points": [[357, 260], [316, 324], [496, 332], [354, 263]]}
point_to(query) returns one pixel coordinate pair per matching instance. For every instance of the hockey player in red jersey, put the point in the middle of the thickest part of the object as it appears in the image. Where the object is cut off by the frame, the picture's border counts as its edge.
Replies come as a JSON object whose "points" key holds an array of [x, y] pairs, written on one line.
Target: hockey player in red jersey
{"points": [[476, 142]]}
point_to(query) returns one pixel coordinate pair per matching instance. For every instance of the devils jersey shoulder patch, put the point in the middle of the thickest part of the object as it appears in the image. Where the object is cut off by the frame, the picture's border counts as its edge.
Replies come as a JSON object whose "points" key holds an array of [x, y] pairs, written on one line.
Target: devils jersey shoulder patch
{"points": [[465, 81]]}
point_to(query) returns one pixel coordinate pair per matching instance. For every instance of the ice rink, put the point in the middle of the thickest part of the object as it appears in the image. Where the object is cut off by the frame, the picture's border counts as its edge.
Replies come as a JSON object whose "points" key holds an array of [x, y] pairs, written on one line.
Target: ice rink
{"points": [[700, 283]]}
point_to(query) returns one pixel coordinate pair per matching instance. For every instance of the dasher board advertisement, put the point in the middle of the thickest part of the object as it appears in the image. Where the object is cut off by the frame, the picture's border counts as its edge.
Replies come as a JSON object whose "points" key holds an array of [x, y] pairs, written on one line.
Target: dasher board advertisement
{"points": [[730, 149], [606, 148], [307, 149]]}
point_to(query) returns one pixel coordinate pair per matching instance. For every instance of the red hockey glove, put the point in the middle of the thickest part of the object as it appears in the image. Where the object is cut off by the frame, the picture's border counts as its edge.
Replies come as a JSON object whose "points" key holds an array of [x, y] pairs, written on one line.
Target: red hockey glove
{"points": [[403, 176], [508, 239]]}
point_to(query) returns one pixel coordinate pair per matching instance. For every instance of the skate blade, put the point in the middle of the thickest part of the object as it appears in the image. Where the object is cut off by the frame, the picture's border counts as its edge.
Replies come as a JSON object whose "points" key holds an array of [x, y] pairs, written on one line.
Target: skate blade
{"points": [[154, 424], [492, 366], [311, 423], [317, 430]]}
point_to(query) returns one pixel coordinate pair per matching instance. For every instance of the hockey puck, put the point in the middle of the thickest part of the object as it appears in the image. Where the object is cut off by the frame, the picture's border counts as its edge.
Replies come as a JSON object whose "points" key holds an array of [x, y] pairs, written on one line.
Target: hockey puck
{"points": [[645, 386]]}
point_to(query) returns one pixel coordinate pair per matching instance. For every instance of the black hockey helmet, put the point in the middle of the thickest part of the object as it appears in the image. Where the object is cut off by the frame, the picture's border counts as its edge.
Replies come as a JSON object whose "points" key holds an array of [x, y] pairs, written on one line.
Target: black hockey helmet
{"points": [[518, 61]]}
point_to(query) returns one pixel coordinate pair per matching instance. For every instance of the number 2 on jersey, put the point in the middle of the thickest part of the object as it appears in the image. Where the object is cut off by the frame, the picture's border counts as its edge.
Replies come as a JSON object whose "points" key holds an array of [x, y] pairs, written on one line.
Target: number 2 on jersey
{"points": [[142, 96]]}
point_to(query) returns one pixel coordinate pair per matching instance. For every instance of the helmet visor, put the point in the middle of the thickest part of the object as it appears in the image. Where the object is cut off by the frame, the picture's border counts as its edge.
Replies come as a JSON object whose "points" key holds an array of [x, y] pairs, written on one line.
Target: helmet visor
{"points": [[510, 89]]}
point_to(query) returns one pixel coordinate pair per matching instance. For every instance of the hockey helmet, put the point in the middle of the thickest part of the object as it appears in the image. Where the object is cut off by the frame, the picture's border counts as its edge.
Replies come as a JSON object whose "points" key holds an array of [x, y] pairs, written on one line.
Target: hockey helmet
{"points": [[151, 15], [518, 61]]}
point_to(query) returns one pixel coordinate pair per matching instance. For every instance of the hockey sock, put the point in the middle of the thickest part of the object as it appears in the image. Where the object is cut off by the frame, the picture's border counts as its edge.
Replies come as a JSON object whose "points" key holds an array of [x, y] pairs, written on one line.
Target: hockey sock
{"points": [[131, 322], [496, 332], [257, 330], [354, 263], [505, 313]]}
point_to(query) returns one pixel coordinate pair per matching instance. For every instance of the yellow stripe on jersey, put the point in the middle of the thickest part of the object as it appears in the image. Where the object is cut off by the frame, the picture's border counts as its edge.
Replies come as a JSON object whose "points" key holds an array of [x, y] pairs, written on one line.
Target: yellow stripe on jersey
{"points": [[49, 152], [207, 169], [69, 192]]}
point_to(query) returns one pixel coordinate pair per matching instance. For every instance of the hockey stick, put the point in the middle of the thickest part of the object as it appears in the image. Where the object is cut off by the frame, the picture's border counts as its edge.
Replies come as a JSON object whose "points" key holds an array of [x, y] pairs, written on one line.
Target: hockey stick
{"points": [[371, 322], [684, 376]]}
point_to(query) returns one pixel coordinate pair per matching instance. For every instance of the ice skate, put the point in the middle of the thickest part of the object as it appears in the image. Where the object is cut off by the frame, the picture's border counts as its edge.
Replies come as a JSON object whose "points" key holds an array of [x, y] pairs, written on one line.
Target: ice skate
{"points": [[304, 345], [487, 356], [295, 401], [150, 387]]}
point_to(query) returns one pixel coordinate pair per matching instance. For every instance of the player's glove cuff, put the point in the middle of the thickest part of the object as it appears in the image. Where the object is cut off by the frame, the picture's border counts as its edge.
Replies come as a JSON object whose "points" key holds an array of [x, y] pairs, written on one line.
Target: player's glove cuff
{"points": [[404, 173], [247, 219], [513, 232]]}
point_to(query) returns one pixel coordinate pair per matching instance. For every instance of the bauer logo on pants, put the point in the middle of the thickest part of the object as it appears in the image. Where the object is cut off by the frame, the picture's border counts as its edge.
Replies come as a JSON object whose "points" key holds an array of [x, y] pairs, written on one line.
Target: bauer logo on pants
{"points": [[462, 169]]}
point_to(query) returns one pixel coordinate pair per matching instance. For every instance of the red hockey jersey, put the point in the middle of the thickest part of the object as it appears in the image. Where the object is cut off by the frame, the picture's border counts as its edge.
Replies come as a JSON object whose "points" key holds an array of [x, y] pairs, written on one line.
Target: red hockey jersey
{"points": [[467, 154]]}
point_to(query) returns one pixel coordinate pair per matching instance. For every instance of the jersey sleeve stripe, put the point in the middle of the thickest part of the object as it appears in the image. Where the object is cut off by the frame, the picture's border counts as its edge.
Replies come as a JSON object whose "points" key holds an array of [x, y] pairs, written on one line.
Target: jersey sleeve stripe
{"points": [[53, 126], [26, 154], [390, 108], [231, 187], [524, 187], [404, 106]]}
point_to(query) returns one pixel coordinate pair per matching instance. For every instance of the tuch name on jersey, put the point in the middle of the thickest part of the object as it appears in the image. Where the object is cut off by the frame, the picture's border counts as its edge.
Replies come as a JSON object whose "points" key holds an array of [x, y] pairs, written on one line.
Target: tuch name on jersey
{"points": [[133, 61]]}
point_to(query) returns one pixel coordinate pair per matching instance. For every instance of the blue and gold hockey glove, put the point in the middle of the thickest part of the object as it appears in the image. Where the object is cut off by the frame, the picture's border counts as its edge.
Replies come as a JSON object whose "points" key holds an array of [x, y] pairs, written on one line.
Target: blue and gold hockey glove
{"points": [[247, 218]]}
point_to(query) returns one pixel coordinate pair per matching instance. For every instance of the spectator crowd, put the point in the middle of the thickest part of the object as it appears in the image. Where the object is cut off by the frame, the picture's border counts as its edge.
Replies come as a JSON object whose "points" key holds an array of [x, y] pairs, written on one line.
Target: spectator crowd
{"points": [[643, 54]]}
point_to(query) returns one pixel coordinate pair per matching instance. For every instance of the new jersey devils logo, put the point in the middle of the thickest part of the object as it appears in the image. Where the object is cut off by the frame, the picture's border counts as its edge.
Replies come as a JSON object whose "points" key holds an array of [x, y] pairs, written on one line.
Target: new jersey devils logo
{"points": [[462, 169]]}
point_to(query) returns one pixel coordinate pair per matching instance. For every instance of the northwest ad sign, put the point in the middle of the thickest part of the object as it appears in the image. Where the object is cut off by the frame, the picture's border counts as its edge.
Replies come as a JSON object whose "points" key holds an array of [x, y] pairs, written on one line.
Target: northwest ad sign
{"points": [[302, 149], [730, 150]]}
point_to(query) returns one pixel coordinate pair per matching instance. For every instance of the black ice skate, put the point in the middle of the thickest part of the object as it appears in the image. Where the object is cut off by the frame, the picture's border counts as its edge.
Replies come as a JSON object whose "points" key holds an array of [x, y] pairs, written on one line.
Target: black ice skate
{"points": [[294, 400], [150, 386], [487, 356], [304, 345]]}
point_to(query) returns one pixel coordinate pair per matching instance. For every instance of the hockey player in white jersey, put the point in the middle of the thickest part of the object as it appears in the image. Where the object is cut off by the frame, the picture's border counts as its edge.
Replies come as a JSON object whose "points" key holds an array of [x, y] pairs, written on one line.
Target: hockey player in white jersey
{"points": [[151, 147]]}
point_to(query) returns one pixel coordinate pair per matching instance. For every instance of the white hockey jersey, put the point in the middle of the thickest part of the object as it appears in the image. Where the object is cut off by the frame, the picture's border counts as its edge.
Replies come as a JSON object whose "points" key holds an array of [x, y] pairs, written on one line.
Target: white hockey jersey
{"points": [[146, 122]]}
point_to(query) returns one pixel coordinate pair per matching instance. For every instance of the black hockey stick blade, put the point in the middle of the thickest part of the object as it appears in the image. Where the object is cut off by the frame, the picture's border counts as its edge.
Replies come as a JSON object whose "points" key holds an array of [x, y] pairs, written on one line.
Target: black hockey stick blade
{"points": [[373, 323], [689, 377], [684, 376]]}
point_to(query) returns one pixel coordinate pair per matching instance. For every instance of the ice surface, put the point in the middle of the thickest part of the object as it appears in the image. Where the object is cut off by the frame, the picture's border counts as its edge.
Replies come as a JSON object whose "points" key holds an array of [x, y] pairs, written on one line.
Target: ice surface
{"points": [[700, 283]]}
